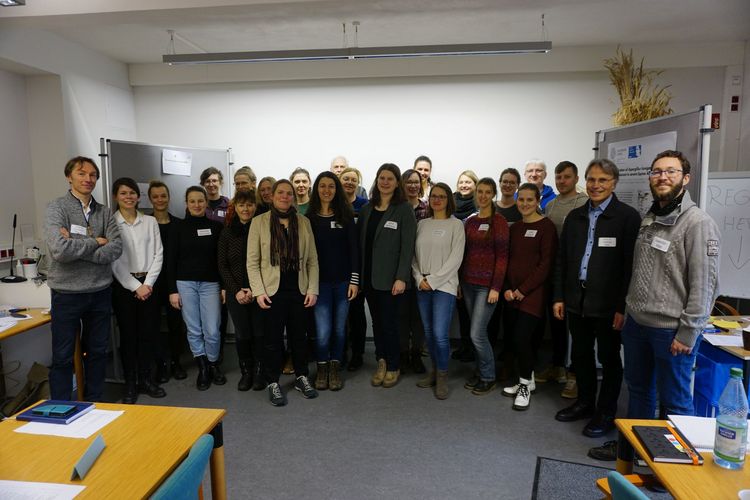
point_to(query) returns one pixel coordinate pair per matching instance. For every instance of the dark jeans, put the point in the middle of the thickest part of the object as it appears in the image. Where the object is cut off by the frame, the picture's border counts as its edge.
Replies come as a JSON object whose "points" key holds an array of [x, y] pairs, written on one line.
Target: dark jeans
{"points": [[331, 310], [287, 311], [384, 308], [91, 314], [650, 368], [586, 331], [138, 322], [410, 328], [520, 326], [559, 330], [248, 336], [357, 325]]}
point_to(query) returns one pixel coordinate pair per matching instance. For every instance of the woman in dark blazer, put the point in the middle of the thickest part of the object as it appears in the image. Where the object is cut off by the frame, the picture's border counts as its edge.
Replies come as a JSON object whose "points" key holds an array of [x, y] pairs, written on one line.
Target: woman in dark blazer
{"points": [[388, 230]]}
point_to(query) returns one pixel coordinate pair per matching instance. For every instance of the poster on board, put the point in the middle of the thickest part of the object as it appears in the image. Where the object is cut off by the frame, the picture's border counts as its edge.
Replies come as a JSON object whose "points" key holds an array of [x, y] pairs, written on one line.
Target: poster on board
{"points": [[633, 158]]}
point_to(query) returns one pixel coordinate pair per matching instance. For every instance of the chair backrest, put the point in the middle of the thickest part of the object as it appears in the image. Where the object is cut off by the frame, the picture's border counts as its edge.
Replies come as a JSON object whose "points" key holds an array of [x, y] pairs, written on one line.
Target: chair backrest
{"points": [[183, 483], [723, 309], [622, 489]]}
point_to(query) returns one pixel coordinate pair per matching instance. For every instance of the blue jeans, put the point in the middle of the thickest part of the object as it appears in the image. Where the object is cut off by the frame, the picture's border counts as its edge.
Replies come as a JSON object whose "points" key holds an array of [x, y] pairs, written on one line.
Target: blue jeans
{"points": [[436, 311], [91, 315], [649, 366], [331, 311], [201, 311], [480, 312]]}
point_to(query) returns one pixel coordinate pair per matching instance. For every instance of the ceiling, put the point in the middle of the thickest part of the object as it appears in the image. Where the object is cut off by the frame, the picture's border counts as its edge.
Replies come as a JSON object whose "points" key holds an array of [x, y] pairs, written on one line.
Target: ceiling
{"points": [[134, 31]]}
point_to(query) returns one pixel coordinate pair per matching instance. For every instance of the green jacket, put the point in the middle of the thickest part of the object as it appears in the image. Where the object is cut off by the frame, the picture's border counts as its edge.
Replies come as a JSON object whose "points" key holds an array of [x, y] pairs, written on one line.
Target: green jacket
{"points": [[393, 246]]}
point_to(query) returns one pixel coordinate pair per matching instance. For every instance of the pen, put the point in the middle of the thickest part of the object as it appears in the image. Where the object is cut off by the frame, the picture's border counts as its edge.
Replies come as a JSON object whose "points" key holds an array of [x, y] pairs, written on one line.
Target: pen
{"points": [[18, 310]]}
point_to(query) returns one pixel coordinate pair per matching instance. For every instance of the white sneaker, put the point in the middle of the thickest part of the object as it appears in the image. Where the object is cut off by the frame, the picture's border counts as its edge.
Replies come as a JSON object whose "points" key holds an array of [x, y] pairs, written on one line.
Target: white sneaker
{"points": [[512, 390], [523, 396]]}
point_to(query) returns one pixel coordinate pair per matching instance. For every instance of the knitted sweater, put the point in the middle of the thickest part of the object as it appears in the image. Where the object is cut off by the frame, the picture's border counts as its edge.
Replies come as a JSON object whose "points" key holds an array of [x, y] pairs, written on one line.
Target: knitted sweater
{"points": [[232, 256], [438, 253], [675, 271], [486, 253], [532, 255], [78, 264], [192, 251]]}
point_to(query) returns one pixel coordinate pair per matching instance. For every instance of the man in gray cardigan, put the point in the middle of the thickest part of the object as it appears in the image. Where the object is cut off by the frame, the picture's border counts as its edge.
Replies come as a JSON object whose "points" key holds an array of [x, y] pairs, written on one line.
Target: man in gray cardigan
{"points": [[83, 240], [672, 290]]}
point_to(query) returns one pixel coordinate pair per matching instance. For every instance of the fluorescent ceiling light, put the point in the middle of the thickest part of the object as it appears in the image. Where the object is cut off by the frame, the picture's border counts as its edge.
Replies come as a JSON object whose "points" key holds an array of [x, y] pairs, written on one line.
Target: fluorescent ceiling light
{"points": [[12, 3], [466, 49]]}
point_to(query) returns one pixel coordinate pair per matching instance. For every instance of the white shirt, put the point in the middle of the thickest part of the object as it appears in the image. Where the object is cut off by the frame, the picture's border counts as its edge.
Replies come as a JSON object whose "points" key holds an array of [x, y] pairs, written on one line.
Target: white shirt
{"points": [[141, 251]]}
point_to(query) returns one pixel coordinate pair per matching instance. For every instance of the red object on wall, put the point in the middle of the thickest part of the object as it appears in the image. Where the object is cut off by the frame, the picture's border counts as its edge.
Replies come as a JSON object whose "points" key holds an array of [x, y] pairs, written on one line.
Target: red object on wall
{"points": [[715, 121]]}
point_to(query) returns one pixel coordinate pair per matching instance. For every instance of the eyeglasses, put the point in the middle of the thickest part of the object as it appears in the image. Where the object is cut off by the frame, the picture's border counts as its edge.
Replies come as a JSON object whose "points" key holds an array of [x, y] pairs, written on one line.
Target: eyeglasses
{"points": [[440, 197], [414, 183], [671, 172], [509, 183]]}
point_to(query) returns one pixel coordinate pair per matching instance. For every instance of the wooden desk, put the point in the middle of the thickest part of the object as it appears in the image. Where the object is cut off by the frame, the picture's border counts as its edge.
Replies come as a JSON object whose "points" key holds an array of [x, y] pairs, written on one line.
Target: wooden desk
{"points": [[23, 325], [682, 480], [39, 319], [143, 446]]}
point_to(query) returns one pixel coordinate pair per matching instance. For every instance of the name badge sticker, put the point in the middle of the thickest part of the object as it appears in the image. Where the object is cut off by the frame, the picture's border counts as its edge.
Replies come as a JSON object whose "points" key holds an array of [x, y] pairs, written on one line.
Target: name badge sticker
{"points": [[530, 233], [221, 213], [483, 227], [76, 229], [660, 244], [439, 233], [336, 225], [608, 242], [712, 248], [391, 224], [204, 232]]}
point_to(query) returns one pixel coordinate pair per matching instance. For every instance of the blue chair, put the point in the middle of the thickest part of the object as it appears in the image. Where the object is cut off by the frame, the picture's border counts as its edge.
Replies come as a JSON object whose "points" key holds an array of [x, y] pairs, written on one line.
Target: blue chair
{"points": [[622, 489], [185, 482]]}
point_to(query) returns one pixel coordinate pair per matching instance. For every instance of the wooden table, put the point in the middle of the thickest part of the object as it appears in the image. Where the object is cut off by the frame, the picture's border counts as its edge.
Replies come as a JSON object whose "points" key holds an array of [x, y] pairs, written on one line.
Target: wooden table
{"points": [[143, 446], [682, 480], [23, 325]]}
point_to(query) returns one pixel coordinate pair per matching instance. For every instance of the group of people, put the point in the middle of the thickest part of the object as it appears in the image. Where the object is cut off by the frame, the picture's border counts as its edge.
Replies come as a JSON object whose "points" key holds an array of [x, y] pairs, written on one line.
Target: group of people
{"points": [[300, 257]]}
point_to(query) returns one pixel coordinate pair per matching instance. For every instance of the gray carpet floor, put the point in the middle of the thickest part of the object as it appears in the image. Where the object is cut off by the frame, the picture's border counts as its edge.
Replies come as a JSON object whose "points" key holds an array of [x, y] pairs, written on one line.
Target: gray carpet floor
{"points": [[365, 442], [561, 480]]}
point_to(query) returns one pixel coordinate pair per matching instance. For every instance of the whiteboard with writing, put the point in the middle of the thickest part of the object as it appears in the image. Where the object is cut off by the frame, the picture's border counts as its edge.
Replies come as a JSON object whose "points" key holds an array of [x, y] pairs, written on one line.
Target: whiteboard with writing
{"points": [[729, 204]]}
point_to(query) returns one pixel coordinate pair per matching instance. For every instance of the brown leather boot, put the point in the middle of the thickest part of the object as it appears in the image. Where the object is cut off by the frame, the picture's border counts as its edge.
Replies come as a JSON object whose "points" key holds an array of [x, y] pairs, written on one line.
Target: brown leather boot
{"points": [[334, 376], [321, 379], [379, 375], [441, 385]]}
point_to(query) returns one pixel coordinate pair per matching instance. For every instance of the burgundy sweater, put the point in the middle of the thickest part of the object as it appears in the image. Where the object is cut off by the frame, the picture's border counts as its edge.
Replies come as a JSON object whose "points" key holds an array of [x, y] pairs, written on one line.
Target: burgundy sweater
{"points": [[532, 256], [486, 253]]}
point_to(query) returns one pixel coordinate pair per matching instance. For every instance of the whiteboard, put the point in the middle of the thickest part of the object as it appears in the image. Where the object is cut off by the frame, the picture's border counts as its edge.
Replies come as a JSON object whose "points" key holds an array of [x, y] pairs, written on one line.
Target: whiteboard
{"points": [[728, 202]]}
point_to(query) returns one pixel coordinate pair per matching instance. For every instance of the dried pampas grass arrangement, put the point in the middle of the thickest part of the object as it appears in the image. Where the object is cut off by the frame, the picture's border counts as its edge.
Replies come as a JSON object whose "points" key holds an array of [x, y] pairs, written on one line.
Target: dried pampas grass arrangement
{"points": [[640, 97]]}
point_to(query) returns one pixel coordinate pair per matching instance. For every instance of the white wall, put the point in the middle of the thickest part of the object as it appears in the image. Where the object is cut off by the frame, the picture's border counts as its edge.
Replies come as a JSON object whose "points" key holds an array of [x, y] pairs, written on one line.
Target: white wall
{"points": [[15, 160], [484, 123]]}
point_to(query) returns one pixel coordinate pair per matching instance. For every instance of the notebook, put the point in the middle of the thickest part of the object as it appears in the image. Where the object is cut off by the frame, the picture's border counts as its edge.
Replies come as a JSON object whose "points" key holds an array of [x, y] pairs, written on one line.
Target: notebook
{"points": [[667, 444], [32, 414]]}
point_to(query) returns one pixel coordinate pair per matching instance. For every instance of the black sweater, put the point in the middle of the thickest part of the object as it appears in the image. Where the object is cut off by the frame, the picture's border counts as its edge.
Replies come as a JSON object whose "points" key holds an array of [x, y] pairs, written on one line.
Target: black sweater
{"points": [[609, 267], [338, 249], [232, 256], [193, 244]]}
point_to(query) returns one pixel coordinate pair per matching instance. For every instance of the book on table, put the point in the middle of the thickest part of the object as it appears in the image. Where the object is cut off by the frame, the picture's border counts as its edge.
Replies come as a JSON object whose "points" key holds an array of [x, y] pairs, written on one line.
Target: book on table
{"points": [[667, 444], [54, 411]]}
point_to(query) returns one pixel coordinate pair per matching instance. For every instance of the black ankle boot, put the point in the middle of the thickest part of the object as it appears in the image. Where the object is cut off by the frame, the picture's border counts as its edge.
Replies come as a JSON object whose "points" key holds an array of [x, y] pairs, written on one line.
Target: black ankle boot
{"points": [[217, 376], [178, 372], [131, 391], [203, 381], [162, 371], [147, 386], [258, 384], [246, 380]]}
